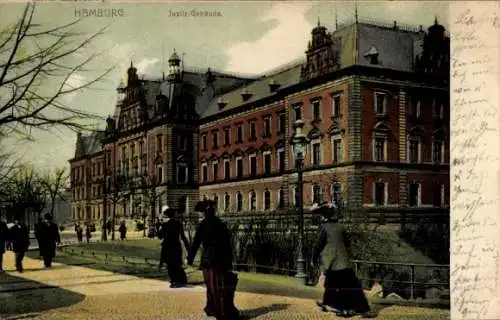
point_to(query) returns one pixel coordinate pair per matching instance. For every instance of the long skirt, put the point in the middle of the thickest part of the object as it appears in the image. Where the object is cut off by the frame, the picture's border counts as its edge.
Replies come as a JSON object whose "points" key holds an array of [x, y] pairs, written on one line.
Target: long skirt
{"points": [[221, 286], [343, 292]]}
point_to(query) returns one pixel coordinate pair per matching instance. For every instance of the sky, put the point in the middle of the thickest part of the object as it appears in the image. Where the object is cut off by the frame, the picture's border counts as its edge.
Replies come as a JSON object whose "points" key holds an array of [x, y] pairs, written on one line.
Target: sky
{"points": [[245, 38]]}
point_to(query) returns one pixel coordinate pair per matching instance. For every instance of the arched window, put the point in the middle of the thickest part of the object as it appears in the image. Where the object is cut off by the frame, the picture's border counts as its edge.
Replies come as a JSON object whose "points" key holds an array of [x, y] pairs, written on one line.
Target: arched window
{"points": [[239, 200], [267, 200], [227, 202], [252, 201]]}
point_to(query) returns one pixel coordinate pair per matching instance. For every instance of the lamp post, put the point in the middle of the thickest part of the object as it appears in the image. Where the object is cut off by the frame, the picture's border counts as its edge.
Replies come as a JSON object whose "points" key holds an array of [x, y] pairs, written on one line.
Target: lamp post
{"points": [[299, 147]]}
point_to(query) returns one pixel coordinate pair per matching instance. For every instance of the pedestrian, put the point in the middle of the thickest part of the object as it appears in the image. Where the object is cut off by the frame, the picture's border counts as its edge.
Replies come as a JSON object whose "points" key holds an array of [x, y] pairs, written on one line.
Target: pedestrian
{"points": [[109, 227], [88, 233], [20, 238], [216, 262], [49, 240], [343, 291], [4, 239], [171, 232], [122, 230], [79, 233]]}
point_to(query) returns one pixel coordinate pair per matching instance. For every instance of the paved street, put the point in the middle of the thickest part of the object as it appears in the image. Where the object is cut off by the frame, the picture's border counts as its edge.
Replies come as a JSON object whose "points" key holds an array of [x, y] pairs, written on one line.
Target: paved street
{"points": [[77, 292]]}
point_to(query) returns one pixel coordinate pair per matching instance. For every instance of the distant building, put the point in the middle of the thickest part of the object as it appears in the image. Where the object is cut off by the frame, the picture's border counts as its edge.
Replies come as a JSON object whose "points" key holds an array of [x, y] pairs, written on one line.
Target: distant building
{"points": [[373, 100]]}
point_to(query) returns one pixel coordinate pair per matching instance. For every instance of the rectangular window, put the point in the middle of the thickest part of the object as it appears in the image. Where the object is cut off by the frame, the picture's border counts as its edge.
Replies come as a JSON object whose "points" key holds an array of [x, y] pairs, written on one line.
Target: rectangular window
{"points": [[281, 122], [414, 152], [380, 103], [239, 167], [204, 172], [159, 172], [281, 198], [336, 105], [182, 176], [267, 200], [215, 139], [379, 145], [227, 136], [337, 150], [317, 194], [438, 195], [281, 160], [182, 143], [297, 109], [159, 143], [227, 202], [316, 109], [215, 170], [252, 130], [203, 142], [414, 195], [316, 156], [267, 126], [267, 162], [380, 193], [437, 151], [239, 133], [227, 169], [253, 165], [414, 108]]}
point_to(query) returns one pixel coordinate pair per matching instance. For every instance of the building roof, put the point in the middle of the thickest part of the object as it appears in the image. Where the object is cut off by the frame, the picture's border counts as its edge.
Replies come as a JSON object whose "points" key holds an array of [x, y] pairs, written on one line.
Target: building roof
{"points": [[394, 46], [88, 144]]}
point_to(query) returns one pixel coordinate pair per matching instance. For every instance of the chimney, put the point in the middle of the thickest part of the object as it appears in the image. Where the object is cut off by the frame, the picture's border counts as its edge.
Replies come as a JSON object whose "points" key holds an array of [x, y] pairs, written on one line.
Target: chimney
{"points": [[221, 103], [273, 86], [245, 95]]}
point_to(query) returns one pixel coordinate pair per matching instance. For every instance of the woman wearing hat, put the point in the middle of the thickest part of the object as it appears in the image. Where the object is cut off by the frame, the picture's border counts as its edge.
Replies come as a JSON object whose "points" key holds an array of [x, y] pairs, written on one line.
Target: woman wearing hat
{"points": [[343, 291], [216, 263], [172, 232]]}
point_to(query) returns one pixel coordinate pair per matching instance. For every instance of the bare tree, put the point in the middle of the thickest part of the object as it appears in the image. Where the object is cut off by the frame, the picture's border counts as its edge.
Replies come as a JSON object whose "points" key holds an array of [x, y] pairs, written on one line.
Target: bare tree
{"points": [[37, 65], [54, 184]]}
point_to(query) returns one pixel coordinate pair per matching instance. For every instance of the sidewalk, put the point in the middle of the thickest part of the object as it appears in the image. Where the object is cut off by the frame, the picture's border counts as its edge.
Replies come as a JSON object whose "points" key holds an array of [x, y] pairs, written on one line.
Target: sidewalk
{"points": [[98, 294]]}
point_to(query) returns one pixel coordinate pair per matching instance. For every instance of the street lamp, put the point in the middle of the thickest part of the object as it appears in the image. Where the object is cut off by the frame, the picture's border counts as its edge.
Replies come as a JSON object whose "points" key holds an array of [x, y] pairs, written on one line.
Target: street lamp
{"points": [[299, 146]]}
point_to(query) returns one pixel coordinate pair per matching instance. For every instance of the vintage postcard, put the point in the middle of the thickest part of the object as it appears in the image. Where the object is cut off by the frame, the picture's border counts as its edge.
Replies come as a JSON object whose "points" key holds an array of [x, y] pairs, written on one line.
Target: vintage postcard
{"points": [[249, 160]]}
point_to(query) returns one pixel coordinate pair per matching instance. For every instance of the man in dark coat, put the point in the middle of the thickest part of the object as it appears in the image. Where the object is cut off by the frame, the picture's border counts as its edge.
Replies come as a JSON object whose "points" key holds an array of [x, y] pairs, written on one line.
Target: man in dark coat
{"points": [[20, 237], [172, 233], [122, 230], [343, 291], [216, 263], [49, 239], [4, 238]]}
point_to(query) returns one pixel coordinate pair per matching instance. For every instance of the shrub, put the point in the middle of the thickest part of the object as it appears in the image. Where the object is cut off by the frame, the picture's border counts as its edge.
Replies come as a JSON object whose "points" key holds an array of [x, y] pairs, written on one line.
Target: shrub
{"points": [[61, 228], [139, 225]]}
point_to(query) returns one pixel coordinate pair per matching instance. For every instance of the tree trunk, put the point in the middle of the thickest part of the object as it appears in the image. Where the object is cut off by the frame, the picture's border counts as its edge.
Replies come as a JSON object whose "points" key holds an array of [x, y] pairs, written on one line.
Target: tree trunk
{"points": [[113, 221]]}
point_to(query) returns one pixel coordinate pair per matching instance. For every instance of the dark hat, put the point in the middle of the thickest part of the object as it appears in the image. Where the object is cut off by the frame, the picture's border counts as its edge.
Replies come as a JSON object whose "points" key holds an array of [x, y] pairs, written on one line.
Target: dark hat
{"points": [[325, 209], [48, 216], [204, 205], [170, 212]]}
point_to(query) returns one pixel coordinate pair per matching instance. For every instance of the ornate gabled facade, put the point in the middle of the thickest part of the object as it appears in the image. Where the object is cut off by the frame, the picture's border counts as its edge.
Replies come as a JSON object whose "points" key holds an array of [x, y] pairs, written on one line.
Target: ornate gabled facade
{"points": [[373, 100]]}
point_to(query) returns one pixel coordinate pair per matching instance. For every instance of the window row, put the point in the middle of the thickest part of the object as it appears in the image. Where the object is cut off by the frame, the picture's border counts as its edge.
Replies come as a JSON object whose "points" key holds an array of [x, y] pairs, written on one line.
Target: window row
{"points": [[317, 109], [236, 202], [414, 149], [252, 132], [380, 194], [414, 108], [237, 169]]}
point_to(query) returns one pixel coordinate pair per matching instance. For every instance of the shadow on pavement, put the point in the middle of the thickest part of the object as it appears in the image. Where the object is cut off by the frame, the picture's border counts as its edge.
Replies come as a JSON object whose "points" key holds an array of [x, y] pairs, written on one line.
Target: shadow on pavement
{"points": [[257, 312], [25, 299]]}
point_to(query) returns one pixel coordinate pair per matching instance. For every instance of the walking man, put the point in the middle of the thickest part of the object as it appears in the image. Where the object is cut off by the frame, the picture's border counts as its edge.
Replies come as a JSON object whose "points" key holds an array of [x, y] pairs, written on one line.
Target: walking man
{"points": [[122, 230], [49, 239], [4, 238], [20, 238]]}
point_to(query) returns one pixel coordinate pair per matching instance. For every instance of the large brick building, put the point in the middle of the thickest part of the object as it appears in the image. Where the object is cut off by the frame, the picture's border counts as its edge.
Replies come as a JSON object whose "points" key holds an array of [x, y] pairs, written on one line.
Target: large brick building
{"points": [[372, 99]]}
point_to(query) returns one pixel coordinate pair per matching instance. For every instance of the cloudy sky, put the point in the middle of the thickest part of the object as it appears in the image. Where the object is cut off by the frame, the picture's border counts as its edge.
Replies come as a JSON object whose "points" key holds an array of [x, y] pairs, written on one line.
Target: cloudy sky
{"points": [[248, 37]]}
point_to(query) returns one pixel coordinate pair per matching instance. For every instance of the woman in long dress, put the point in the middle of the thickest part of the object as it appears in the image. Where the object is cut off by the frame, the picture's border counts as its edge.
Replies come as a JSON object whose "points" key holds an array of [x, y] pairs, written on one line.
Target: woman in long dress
{"points": [[216, 263], [343, 291], [172, 233]]}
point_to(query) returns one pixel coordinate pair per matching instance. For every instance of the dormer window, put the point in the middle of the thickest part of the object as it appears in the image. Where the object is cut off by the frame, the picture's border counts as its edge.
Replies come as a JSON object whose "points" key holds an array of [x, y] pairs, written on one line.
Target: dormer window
{"points": [[372, 55], [245, 94], [273, 86], [221, 103]]}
